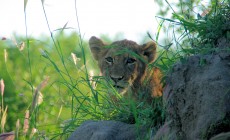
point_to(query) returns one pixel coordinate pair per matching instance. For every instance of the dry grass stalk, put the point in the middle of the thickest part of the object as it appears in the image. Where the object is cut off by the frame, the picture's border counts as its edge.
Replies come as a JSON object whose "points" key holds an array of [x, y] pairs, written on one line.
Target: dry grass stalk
{"points": [[3, 119], [17, 128], [5, 55], [37, 98], [2, 87], [21, 46], [92, 81], [75, 58], [26, 122], [33, 131]]}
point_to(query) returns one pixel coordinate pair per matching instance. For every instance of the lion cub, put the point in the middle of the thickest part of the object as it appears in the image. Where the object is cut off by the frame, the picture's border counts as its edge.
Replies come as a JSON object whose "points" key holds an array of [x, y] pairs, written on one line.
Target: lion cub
{"points": [[125, 64]]}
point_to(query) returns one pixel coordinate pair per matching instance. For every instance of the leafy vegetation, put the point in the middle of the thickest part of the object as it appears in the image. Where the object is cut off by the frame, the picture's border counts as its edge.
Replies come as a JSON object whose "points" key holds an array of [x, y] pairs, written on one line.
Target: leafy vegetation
{"points": [[44, 90], [205, 32], [191, 32]]}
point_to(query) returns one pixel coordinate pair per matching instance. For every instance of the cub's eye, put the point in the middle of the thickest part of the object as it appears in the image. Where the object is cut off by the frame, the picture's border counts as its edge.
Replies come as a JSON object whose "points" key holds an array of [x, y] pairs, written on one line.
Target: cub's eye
{"points": [[130, 61], [109, 59]]}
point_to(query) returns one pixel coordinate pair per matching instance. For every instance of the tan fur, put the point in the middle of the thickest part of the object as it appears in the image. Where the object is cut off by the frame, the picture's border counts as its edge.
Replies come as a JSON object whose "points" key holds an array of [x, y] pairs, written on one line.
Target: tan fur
{"points": [[125, 63]]}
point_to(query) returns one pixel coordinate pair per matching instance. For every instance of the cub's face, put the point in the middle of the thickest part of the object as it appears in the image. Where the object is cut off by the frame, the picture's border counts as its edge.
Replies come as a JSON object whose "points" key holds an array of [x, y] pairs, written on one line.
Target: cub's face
{"points": [[120, 67], [123, 63]]}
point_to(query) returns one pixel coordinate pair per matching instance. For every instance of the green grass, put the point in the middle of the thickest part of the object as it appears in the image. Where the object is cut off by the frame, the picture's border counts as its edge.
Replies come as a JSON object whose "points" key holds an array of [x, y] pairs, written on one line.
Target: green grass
{"points": [[202, 31]]}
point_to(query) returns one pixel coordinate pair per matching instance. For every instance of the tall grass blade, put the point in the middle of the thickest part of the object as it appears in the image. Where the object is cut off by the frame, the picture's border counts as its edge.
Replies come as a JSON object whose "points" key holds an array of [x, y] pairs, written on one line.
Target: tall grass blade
{"points": [[42, 2], [25, 4], [159, 29]]}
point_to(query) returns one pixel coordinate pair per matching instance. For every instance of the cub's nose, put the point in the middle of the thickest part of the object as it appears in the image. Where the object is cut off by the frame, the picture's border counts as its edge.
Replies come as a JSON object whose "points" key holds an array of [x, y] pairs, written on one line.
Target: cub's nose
{"points": [[116, 78]]}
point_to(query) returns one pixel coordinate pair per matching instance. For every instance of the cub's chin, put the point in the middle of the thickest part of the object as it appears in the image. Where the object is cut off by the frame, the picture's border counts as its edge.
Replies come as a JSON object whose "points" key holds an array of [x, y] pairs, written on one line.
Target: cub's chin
{"points": [[121, 90]]}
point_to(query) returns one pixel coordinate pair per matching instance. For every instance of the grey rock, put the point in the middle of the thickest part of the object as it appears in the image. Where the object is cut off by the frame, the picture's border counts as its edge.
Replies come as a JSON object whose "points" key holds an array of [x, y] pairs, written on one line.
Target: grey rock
{"points": [[197, 98], [106, 130], [222, 136]]}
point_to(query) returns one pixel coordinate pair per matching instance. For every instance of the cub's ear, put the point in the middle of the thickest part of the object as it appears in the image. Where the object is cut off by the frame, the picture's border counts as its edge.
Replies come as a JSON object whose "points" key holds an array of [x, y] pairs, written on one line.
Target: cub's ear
{"points": [[149, 50], [96, 46]]}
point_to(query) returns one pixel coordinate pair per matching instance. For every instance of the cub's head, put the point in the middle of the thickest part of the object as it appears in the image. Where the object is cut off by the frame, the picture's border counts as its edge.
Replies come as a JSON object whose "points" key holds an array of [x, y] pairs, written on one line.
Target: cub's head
{"points": [[124, 62]]}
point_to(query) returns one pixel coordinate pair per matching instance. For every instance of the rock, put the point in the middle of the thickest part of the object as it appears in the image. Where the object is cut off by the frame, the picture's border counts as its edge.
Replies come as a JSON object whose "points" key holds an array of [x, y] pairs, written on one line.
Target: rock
{"points": [[222, 136], [106, 130], [164, 133], [197, 98]]}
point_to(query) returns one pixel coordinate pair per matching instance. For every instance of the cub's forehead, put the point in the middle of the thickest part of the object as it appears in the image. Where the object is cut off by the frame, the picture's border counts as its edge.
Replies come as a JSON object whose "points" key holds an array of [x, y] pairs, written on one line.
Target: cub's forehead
{"points": [[122, 48], [126, 44]]}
